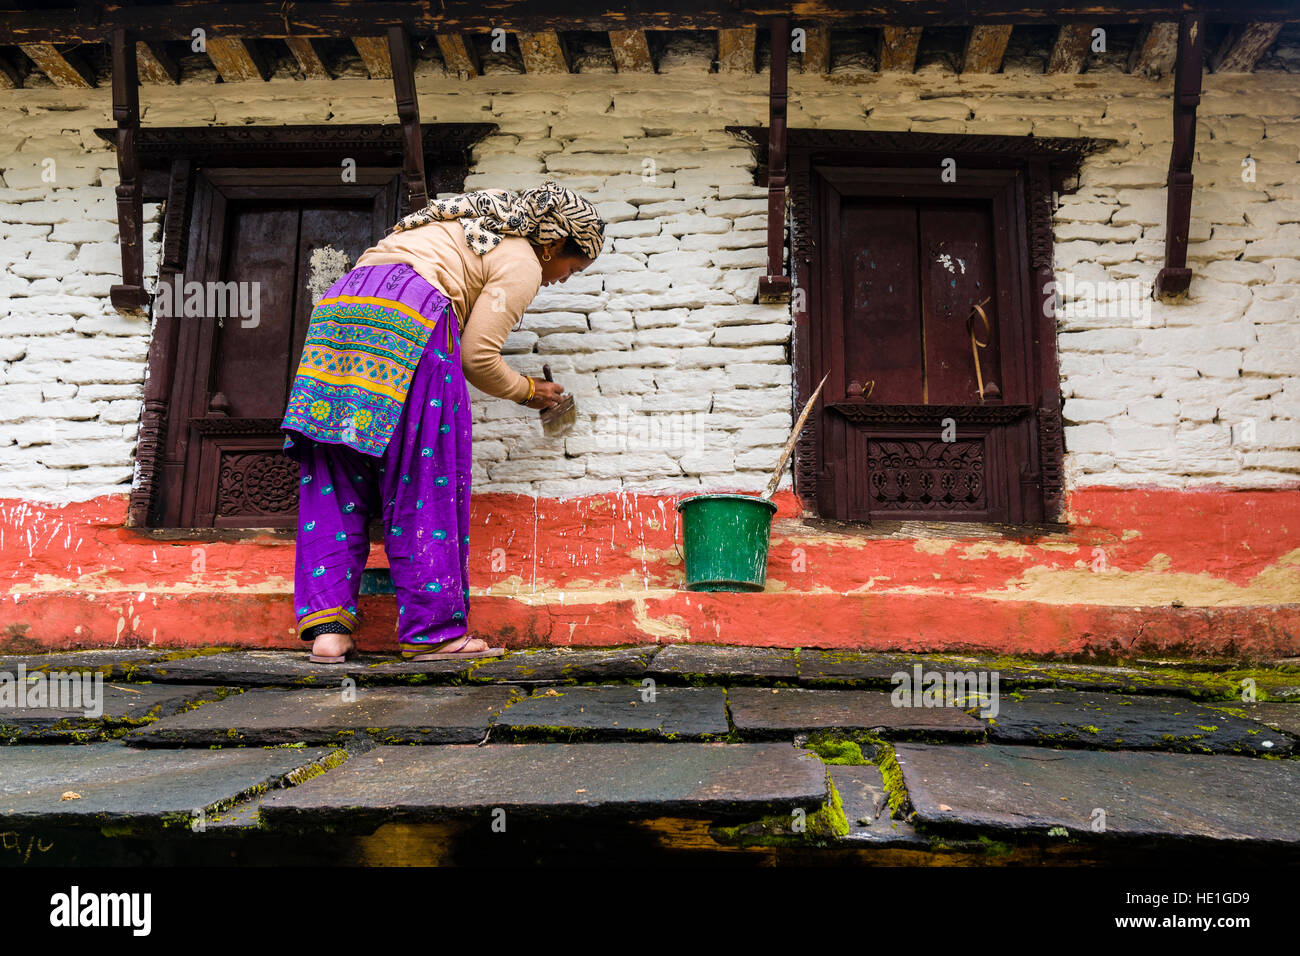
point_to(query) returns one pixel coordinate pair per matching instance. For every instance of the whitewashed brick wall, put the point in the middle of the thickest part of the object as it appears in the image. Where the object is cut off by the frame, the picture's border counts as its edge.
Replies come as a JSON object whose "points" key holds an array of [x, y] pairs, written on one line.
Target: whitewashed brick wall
{"points": [[682, 383]]}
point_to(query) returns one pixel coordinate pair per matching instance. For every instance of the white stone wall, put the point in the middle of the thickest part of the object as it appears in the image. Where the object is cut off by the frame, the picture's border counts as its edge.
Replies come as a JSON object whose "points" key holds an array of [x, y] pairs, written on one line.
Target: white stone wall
{"points": [[682, 383]]}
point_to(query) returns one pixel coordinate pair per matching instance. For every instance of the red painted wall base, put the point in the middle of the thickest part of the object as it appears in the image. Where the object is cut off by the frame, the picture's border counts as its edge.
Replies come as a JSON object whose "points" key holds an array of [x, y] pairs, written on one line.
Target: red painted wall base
{"points": [[1201, 574]]}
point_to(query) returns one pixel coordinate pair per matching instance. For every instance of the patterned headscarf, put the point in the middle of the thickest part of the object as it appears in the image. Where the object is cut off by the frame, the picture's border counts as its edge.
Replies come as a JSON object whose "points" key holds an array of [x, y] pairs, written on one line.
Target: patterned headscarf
{"points": [[543, 213]]}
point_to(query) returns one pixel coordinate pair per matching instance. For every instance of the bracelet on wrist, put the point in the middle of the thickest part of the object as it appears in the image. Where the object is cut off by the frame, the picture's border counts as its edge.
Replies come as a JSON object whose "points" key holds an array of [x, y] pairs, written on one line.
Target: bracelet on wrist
{"points": [[532, 391]]}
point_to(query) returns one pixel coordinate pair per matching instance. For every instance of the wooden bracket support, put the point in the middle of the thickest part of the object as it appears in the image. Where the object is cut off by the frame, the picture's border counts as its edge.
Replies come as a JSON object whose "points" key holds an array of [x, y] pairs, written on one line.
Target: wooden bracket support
{"points": [[414, 193], [775, 286], [1175, 278], [130, 297]]}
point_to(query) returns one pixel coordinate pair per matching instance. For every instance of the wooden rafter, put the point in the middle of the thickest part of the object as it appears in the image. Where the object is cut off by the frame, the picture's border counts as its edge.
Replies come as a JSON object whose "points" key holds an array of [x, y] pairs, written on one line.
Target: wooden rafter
{"points": [[631, 51], [543, 52], [1243, 47], [66, 71], [985, 47], [237, 60], [374, 54], [898, 46], [817, 50], [736, 51], [458, 54], [1156, 50], [155, 66], [1070, 51], [309, 60], [9, 78]]}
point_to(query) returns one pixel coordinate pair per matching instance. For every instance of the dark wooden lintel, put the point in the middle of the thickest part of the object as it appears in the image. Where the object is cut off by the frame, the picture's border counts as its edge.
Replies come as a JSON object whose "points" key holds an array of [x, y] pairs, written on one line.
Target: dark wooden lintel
{"points": [[1175, 278], [351, 18]]}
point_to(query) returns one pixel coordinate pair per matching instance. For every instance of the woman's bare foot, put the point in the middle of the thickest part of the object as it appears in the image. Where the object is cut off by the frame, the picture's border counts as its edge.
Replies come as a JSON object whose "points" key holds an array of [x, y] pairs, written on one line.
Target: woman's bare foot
{"points": [[333, 645]]}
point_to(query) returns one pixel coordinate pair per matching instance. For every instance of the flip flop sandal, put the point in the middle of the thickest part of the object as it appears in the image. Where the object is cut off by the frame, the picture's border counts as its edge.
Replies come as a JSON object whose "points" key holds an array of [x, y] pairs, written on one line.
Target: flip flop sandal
{"points": [[454, 655]]}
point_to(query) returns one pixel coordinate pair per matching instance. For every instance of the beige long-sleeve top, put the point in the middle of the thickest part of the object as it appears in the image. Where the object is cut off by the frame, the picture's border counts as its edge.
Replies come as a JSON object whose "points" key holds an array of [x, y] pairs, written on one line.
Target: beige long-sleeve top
{"points": [[489, 293]]}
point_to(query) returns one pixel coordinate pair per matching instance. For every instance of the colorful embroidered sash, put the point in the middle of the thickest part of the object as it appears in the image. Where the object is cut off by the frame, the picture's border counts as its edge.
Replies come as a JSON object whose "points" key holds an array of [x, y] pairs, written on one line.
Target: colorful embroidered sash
{"points": [[365, 338]]}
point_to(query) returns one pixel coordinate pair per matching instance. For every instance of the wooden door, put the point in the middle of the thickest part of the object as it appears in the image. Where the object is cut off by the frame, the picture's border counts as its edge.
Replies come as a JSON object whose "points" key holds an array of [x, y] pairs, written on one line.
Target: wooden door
{"points": [[918, 423], [258, 239]]}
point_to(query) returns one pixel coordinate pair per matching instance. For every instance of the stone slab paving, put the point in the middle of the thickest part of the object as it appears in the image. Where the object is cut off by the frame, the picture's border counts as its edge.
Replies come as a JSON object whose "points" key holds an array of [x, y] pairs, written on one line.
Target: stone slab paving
{"points": [[1155, 795], [293, 669], [618, 780], [729, 664], [417, 715], [831, 668], [862, 793], [561, 664], [617, 711], [119, 705], [113, 662], [1278, 716], [1130, 722], [771, 713], [117, 784]]}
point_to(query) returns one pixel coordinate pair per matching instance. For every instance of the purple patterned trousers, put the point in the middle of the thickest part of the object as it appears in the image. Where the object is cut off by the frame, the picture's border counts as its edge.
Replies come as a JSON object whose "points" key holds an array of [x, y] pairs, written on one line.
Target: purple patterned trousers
{"points": [[419, 486]]}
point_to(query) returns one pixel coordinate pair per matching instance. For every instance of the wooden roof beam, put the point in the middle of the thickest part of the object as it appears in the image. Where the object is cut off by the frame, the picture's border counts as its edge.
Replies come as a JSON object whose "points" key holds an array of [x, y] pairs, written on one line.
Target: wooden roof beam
{"points": [[374, 54], [459, 54], [1244, 46], [898, 46], [631, 51], [1070, 52], [1156, 50], [66, 71], [308, 57], [23, 22], [985, 48], [544, 52], [737, 51], [154, 65], [236, 60]]}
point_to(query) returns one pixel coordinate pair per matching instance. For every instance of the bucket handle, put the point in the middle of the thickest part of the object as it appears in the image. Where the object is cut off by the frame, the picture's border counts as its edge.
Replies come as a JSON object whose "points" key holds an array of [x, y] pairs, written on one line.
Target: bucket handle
{"points": [[676, 543]]}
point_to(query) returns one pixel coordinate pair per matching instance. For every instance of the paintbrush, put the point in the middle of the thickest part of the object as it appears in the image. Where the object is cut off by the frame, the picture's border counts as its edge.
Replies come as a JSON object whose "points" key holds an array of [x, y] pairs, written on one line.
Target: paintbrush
{"points": [[560, 418]]}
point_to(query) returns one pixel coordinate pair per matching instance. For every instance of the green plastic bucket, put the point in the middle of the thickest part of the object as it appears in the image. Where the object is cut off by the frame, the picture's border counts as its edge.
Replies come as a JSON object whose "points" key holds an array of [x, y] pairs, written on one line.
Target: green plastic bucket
{"points": [[726, 539]]}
